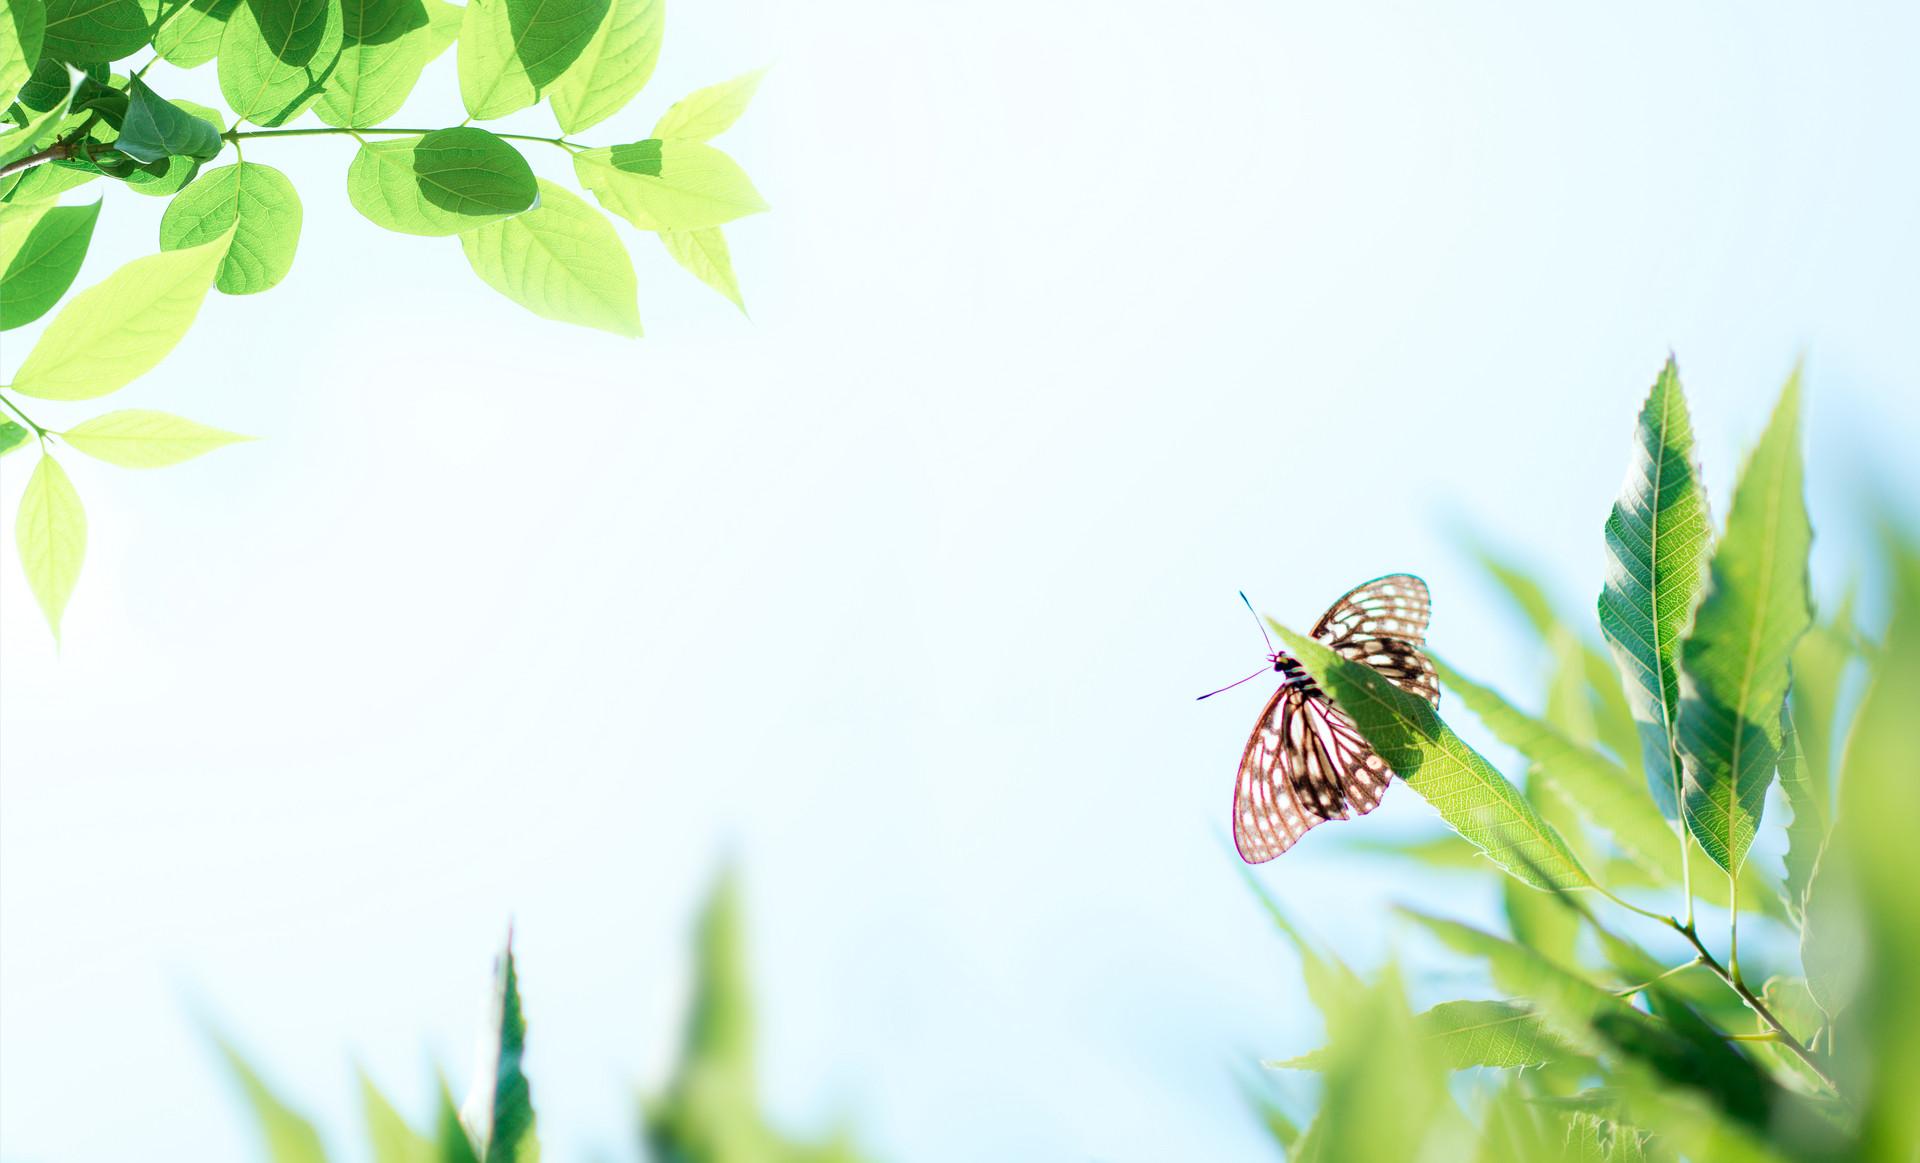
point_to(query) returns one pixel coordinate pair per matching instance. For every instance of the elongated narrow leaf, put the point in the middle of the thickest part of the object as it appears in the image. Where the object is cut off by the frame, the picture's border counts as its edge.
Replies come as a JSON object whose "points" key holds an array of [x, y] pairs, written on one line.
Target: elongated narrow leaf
{"points": [[51, 534], [1810, 817], [12, 436], [1471, 796], [1331, 985], [511, 51], [289, 1137], [389, 1136], [82, 31], [1473, 1033], [1513, 1130], [1376, 1051], [23, 27], [498, 1112], [1733, 665], [561, 260], [258, 205], [1573, 1009], [613, 68], [445, 182], [1658, 538], [704, 253], [40, 253], [276, 57], [668, 185], [453, 1142], [388, 43], [137, 438], [1820, 665], [706, 113], [191, 37], [118, 329], [156, 129]]}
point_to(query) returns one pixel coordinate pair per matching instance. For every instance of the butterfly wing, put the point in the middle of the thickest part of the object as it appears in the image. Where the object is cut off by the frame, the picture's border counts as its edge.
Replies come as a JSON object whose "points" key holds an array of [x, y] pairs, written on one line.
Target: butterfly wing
{"points": [[1304, 764], [1383, 623]]}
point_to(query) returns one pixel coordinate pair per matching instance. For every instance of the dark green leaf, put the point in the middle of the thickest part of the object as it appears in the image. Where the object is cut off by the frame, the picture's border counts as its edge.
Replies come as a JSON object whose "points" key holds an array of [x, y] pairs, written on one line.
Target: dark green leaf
{"points": [[277, 55], [156, 129], [388, 43], [446, 182], [12, 436], [95, 30], [40, 253], [511, 51], [499, 1110]]}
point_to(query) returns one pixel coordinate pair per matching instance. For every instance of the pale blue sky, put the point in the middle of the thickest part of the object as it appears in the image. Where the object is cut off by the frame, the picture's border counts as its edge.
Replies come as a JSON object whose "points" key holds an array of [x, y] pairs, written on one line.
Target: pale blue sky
{"points": [[1070, 320]]}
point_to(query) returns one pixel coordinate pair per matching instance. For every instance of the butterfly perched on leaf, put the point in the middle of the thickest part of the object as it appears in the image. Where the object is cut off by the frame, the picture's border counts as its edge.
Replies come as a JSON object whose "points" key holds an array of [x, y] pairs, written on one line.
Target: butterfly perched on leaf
{"points": [[1306, 762]]}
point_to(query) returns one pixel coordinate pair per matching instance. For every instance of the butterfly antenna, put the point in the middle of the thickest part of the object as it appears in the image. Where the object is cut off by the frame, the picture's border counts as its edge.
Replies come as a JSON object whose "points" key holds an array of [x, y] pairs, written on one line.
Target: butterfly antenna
{"points": [[1231, 685], [1257, 622]]}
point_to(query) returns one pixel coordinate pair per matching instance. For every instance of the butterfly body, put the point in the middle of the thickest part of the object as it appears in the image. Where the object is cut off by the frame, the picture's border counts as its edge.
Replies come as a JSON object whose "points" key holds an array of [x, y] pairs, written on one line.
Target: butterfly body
{"points": [[1306, 762]]}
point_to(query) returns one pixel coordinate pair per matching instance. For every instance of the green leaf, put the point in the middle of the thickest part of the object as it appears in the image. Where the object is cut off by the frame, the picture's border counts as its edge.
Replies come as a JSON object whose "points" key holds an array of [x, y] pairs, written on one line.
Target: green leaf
{"points": [[1512, 1130], [80, 31], [23, 27], [41, 183], [290, 1138], [392, 1140], [258, 205], [446, 182], [498, 1112], [512, 50], [118, 329], [704, 253], [155, 129], [1820, 665], [452, 1143], [1658, 538], [40, 253], [1474, 799], [161, 178], [1440, 850], [1811, 817], [12, 436], [1733, 665], [561, 260], [613, 68], [191, 37], [39, 130], [707, 113], [1377, 1050], [277, 55], [1473, 1033], [136, 438], [668, 185], [388, 43], [50, 532], [1331, 985]]}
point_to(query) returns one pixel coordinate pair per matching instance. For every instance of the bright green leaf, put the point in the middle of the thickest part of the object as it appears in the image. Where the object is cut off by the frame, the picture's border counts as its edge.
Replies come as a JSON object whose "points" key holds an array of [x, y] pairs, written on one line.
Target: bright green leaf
{"points": [[1658, 538], [388, 43], [561, 260], [118, 329], [614, 66], [1513, 1130], [51, 535], [706, 113], [41, 183], [498, 1112], [156, 129], [1473, 1033], [80, 31], [446, 182], [276, 56], [162, 178], [23, 27], [1471, 796], [12, 436], [290, 1138], [1377, 1049], [391, 1139], [704, 253], [258, 204], [512, 50], [191, 37], [136, 438], [39, 130], [1733, 665], [40, 254], [668, 185]]}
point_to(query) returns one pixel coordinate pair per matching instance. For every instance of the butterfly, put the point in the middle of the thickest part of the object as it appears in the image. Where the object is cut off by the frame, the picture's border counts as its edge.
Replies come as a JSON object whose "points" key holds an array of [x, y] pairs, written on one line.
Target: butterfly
{"points": [[1306, 762]]}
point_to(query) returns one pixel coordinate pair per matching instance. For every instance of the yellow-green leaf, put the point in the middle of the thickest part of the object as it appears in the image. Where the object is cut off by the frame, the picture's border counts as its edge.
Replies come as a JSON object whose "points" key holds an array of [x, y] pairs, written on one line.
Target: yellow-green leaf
{"points": [[614, 66], [258, 205], [561, 260], [290, 1138], [704, 253], [512, 50], [445, 182], [138, 438], [706, 113], [51, 535], [23, 26], [388, 43], [276, 56], [668, 185]]}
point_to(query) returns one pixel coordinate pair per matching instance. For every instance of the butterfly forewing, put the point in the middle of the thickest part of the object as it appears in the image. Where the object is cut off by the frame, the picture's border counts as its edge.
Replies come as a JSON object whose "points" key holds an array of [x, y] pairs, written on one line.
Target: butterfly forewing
{"points": [[1383, 623]]}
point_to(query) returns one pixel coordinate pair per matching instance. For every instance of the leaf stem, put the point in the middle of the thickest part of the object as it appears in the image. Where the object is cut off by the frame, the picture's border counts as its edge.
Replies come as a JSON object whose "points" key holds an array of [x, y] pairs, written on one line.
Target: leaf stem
{"points": [[1631, 990], [1784, 1035], [235, 135], [24, 418]]}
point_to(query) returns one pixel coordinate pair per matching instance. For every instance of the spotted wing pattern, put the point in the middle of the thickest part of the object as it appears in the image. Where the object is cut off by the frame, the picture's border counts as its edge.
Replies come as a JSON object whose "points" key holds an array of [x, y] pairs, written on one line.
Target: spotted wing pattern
{"points": [[1383, 623]]}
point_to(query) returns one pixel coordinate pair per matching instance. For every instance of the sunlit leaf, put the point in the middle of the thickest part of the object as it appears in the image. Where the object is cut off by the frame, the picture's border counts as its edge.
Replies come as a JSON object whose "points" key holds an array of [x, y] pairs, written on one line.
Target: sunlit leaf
{"points": [[1733, 664], [1376, 1049], [1809, 802], [156, 129], [80, 31], [276, 56], [452, 1141], [1472, 1033], [191, 37], [137, 438], [118, 329], [387, 44], [1471, 796], [1440, 850], [1658, 540], [705, 255], [50, 531], [706, 113], [614, 66], [258, 204], [1514, 1130], [40, 253], [445, 182], [290, 1138], [40, 129], [23, 26], [498, 1112], [511, 51], [561, 260], [668, 185], [388, 1135], [1331, 985]]}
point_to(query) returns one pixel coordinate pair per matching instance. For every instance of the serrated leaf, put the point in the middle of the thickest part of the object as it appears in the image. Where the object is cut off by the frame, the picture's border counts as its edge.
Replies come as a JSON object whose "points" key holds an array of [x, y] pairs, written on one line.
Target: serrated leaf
{"points": [[40, 253], [118, 329], [290, 1138], [445, 182], [80, 31], [258, 204], [276, 57], [23, 27], [138, 438], [191, 37], [1733, 664], [389, 1136], [498, 1112], [1471, 796], [704, 254], [1658, 538], [155, 129], [511, 51], [668, 185], [613, 68], [706, 113], [388, 43], [12, 436], [50, 532], [561, 260], [1810, 817], [1820, 664], [1473, 1033]]}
